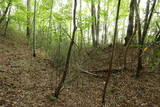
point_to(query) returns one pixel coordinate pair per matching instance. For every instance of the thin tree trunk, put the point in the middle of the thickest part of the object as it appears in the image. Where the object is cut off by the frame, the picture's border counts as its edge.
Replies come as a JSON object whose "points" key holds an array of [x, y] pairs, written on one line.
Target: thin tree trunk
{"points": [[57, 90], [60, 40], [93, 22], [106, 24], [145, 28], [97, 23], [81, 30], [123, 32], [136, 21], [70, 28], [28, 33], [34, 30], [88, 35], [113, 48], [148, 18], [49, 26], [139, 37], [5, 31], [140, 51], [135, 31], [7, 8], [105, 33]]}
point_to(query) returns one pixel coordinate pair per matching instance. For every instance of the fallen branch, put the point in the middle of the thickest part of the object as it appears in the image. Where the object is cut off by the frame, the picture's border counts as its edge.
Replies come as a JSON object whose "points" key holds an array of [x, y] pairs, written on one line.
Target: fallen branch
{"points": [[92, 74], [106, 70], [2, 71], [86, 72]]}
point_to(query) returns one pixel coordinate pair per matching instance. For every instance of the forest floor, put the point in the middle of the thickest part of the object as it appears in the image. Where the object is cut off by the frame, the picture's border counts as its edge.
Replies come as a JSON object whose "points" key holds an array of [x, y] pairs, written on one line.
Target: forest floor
{"points": [[26, 81]]}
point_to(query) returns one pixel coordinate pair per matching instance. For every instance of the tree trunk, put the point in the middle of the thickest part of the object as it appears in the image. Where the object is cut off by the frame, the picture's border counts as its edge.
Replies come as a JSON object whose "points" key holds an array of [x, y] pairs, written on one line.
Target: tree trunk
{"points": [[88, 35], [93, 23], [81, 30], [113, 48], [59, 44], [57, 90], [123, 32], [105, 33], [5, 31], [139, 67], [49, 26], [130, 23], [106, 24], [97, 24], [28, 33], [7, 8], [34, 30], [147, 21], [130, 34], [135, 39]]}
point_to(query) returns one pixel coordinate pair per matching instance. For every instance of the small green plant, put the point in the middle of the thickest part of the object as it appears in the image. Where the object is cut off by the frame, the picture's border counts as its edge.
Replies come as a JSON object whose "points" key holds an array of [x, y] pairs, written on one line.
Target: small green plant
{"points": [[52, 98]]}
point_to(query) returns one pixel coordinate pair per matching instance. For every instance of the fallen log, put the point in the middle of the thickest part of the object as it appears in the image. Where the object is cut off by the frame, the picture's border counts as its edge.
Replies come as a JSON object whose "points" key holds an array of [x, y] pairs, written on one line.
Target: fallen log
{"points": [[86, 72], [92, 74], [106, 70], [1, 70]]}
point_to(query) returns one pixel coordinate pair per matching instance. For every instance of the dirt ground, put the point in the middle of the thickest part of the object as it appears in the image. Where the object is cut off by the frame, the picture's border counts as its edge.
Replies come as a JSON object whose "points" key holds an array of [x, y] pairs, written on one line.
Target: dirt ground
{"points": [[27, 82]]}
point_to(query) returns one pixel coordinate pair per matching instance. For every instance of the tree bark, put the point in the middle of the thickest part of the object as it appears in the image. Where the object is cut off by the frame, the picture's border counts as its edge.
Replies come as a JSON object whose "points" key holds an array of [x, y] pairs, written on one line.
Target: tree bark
{"points": [[93, 23], [139, 37], [105, 33], [136, 22], [123, 32], [57, 90], [34, 29], [130, 23], [130, 33], [28, 33], [97, 23], [148, 18], [106, 24], [49, 26], [88, 35], [5, 31], [7, 8], [81, 30], [112, 55]]}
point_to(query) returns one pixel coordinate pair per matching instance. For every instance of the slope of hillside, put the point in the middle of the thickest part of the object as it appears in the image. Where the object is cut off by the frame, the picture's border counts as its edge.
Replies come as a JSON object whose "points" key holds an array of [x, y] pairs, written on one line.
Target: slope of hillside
{"points": [[26, 82]]}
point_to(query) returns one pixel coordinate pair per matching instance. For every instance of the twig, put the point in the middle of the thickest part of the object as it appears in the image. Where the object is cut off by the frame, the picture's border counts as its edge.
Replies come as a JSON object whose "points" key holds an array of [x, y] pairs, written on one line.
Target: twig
{"points": [[86, 72]]}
